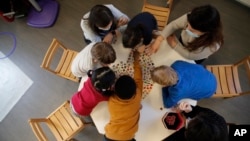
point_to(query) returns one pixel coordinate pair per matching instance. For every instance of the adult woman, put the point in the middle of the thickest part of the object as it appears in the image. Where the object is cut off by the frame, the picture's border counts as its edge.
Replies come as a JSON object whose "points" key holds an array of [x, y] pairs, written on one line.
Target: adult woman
{"points": [[103, 23], [201, 34]]}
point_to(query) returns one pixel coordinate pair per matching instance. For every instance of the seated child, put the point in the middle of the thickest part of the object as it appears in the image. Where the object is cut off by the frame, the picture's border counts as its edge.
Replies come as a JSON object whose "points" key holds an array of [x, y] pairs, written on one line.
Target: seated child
{"points": [[124, 107], [93, 56], [103, 23], [139, 32], [202, 124], [184, 80], [95, 89]]}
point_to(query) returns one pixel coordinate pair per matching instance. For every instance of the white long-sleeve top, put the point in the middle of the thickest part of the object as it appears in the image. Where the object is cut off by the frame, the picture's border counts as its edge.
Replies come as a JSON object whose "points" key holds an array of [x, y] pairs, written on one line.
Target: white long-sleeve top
{"points": [[83, 61], [93, 37]]}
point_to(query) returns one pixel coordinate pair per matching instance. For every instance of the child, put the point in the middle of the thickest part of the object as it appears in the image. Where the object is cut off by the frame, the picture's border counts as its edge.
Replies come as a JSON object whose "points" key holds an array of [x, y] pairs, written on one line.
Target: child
{"points": [[124, 106], [93, 56], [97, 88], [103, 23], [202, 124], [184, 80], [139, 32]]}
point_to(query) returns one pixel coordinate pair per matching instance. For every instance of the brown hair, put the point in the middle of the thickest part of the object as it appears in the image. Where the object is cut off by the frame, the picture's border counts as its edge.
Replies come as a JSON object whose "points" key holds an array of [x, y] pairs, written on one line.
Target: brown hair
{"points": [[206, 19], [103, 52], [164, 75]]}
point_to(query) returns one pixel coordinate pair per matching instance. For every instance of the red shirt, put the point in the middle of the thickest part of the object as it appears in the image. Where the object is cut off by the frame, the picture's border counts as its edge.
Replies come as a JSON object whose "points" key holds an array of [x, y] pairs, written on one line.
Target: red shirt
{"points": [[86, 99]]}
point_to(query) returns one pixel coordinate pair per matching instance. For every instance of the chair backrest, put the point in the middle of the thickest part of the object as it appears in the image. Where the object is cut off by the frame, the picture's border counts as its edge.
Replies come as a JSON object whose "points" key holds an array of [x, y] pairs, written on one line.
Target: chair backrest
{"points": [[228, 80], [63, 68], [62, 123], [161, 13]]}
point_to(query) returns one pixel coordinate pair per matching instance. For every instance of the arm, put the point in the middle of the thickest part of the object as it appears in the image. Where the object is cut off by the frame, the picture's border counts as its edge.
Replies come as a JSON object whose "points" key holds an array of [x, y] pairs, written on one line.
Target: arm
{"points": [[138, 74], [88, 33], [196, 55], [170, 96], [119, 16], [175, 25], [169, 29]]}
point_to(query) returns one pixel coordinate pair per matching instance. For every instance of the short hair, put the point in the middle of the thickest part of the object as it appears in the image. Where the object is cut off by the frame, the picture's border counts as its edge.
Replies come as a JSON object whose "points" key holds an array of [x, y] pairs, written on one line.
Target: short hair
{"points": [[206, 128], [103, 79], [132, 36], [125, 87], [100, 16], [164, 75], [103, 52]]}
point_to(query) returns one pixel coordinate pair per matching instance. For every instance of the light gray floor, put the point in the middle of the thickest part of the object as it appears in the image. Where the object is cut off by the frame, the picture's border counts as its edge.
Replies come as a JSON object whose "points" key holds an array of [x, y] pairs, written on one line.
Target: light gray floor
{"points": [[49, 91]]}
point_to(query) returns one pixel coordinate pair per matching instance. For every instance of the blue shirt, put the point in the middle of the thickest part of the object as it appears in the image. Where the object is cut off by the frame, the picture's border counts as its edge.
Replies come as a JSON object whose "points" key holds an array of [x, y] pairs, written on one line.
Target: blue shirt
{"points": [[194, 82]]}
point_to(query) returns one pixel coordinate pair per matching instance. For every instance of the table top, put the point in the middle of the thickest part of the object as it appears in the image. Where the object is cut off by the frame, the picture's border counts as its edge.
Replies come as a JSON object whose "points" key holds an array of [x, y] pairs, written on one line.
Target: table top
{"points": [[150, 124]]}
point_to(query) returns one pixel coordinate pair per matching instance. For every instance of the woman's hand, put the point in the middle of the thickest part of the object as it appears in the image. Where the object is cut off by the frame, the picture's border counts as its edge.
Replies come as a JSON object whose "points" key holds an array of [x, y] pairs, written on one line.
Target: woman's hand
{"points": [[122, 21], [153, 48], [172, 40]]}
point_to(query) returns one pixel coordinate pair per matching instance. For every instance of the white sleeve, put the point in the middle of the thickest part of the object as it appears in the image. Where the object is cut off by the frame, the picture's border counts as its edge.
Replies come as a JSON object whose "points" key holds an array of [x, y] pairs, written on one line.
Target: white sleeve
{"points": [[117, 13], [82, 62], [175, 25], [87, 32]]}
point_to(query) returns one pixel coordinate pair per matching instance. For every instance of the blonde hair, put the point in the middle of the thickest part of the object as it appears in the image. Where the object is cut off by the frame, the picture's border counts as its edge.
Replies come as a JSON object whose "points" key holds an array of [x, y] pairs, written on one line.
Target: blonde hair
{"points": [[164, 75]]}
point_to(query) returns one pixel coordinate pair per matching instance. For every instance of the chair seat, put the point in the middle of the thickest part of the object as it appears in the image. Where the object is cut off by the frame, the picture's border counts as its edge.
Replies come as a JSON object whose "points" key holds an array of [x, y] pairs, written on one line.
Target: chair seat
{"points": [[160, 13], [228, 80], [46, 17]]}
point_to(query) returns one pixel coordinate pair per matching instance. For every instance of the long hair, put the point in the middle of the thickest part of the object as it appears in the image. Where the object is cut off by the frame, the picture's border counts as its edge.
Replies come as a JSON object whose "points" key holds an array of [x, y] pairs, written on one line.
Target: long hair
{"points": [[100, 16], [205, 19]]}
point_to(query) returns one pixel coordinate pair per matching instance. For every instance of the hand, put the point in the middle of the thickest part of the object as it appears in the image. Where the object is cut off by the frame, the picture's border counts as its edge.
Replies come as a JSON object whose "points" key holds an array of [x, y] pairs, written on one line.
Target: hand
{"points": [[122, 21], [140, 49], [172, 41], [185, 106], [108, 38], [153, 48]]}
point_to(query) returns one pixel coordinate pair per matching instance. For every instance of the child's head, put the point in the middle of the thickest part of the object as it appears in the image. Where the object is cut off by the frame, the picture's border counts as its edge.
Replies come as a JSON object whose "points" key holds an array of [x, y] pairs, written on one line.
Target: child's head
{"points": [[125, 87], [164, 75], [206, 128], [132, 36], [103, 79], [100, 17], [103, 53]]}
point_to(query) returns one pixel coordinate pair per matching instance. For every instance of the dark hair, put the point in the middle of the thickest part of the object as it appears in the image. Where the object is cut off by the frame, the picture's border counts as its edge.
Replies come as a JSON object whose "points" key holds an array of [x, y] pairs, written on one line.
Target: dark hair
{"points": [[207, 128], [102, 79], [103, 52], [206, 19], [100, 16], [125, 87], [132, 36]]}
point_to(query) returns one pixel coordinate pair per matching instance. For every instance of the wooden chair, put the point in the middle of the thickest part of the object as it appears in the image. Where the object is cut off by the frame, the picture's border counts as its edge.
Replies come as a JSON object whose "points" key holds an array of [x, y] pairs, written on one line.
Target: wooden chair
{"points": [[63, 66], [228, 82], [61, 123], [161, 13]]}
